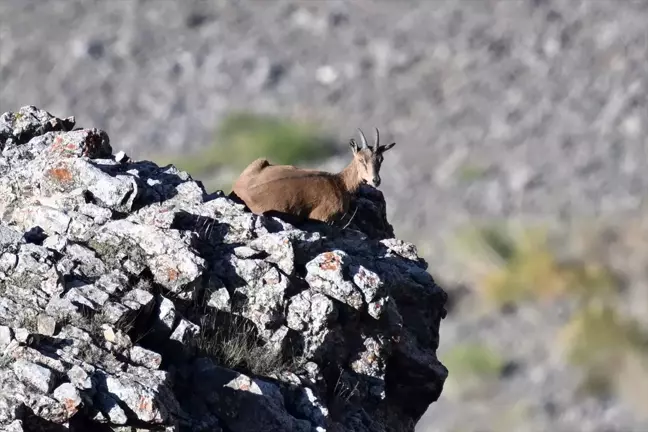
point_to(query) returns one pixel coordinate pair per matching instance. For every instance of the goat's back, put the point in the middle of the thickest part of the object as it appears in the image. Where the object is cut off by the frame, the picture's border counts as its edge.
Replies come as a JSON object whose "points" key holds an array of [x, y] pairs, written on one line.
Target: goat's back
{"points": [[284, 188]]}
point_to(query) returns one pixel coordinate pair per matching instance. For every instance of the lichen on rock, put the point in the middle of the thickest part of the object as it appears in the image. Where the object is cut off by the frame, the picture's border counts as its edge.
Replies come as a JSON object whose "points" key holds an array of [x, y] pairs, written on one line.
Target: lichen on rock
{"points": [[129, 296]]}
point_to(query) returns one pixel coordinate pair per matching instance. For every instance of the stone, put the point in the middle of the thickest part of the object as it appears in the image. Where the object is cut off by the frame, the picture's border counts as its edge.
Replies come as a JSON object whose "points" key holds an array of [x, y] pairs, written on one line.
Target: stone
{"points": [[69, 396], [14, 426], [164, 318], [184, 331], [79, 378], [46, 325], [6, 336], [111, 409], [220, 299], [38, 376], [144, 357], [325, 273], [138, 299]]}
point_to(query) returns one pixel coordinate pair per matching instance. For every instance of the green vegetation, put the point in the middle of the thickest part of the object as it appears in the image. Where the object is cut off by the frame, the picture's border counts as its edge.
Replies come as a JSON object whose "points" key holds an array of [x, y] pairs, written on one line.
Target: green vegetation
{"points": [[599, 342], [473, 359], [516, 264], [244, 137], [469, 173], [471, 366], [510, 264]]}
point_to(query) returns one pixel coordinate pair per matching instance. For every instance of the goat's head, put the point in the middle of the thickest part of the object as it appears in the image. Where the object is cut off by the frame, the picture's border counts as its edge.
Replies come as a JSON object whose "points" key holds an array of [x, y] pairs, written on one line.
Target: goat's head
{"points": [[369, 158]]}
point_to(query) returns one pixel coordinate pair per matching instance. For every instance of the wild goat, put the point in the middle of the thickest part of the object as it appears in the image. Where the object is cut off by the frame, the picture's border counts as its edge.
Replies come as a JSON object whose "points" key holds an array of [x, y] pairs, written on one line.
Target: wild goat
{"points": [[300, 194]]}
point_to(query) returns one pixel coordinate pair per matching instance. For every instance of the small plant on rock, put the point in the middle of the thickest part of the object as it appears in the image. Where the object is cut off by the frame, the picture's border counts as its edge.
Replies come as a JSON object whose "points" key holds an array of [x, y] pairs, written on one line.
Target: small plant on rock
{"points": [[233, 343], [471, 367]]}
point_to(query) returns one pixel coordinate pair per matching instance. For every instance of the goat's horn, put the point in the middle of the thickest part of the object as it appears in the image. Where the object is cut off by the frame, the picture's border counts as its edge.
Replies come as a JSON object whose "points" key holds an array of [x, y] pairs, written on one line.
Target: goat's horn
{"points": [[363, 138], [377, 144]]}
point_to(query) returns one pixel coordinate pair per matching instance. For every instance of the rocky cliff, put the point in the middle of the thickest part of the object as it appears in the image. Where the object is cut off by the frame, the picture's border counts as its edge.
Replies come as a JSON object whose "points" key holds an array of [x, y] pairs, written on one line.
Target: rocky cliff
{"points": [[132, 298]]}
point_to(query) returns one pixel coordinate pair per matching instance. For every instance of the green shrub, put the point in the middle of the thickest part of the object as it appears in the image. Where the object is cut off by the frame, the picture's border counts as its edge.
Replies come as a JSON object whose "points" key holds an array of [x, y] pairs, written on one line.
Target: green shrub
{"points": [[470, 173], [471, 366], [511, 265], [244, 137], [599, 342], [473, 359]]}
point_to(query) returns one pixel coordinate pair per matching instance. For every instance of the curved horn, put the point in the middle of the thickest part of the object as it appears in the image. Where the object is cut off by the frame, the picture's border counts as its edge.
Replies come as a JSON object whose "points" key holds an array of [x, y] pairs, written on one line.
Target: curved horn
{"points": [[377, 144], [363, 139]]}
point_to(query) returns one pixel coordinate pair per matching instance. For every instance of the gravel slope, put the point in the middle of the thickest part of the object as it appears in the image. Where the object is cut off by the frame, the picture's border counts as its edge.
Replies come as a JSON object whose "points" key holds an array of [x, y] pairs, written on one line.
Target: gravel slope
{"points": [[499, 108]]}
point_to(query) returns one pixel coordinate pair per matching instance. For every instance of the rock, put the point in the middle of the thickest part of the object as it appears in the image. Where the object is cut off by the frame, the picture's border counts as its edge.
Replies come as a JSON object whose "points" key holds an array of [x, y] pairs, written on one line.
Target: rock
{"points": [[79, 378], [29, 122], [243, 403], [182, 311], [40, 377], [310, 314], [91, 143], [279, 249], [220, 299], [46, 325], [164, 318], [114, 312], [6, 336], [14, 426], [144, 357], [69, 396], [139, 398], [111, 409], [325, 273], [112, 282], [138, 299], [115, 340], [184, 331], [23, 335]]}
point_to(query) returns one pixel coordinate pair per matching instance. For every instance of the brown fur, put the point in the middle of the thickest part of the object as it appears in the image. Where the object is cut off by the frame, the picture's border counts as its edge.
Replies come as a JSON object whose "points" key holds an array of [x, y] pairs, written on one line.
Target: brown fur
{"points": [[308, 194]]}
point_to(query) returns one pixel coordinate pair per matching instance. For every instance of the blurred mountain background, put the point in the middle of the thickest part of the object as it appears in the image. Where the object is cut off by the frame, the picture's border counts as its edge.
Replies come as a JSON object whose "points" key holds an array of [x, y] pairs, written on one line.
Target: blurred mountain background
{"points": [[520, 169]]}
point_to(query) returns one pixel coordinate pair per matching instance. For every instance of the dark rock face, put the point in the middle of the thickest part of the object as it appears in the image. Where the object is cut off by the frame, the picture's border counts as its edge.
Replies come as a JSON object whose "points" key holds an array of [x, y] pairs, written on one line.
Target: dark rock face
{"points": [[129, 297]]}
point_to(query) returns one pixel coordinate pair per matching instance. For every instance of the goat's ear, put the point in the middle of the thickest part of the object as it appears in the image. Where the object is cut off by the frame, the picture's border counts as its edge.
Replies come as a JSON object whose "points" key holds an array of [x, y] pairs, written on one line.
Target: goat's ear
{"points": [[353, 145], [383, 149]]}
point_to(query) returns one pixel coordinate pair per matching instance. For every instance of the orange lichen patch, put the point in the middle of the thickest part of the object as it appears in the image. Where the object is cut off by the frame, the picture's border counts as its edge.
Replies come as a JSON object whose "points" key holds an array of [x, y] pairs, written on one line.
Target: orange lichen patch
{"points": [[57, 143], [70, 406], [144, 404], [330, 261], [64, 146], [173, 274], [62, 175]]}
